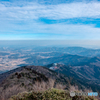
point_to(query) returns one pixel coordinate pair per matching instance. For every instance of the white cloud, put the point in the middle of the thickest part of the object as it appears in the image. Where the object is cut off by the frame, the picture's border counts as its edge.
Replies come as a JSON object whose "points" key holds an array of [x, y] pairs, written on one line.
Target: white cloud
{"points": [[11, 13], [60, 11]]}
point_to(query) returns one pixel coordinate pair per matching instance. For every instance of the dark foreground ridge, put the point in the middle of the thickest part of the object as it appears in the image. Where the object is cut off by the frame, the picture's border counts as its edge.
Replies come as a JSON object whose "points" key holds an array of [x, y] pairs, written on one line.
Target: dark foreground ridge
{"points": [[36, 79]]}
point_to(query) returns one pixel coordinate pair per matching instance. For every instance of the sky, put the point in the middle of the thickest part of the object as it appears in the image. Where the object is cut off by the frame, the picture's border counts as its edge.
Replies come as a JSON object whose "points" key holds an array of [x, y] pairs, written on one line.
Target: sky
{"points": [[49, 20]]}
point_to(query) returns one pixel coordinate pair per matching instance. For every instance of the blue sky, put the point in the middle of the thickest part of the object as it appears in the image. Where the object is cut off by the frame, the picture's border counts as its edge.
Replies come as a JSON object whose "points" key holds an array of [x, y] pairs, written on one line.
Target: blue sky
{"points": [[49, 19]]}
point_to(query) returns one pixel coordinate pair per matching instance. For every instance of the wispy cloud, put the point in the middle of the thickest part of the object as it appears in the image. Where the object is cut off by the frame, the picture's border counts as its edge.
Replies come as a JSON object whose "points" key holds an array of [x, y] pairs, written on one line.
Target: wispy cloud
{"points": [[24, 18], [60, 11]]}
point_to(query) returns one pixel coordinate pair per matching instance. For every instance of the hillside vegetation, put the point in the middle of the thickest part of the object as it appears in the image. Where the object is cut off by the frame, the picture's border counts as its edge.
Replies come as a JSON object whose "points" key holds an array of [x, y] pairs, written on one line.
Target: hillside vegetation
{"points": [[51, 94]]}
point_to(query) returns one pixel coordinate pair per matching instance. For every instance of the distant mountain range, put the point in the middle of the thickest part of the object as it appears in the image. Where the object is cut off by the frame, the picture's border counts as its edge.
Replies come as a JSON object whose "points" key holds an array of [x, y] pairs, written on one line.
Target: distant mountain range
{"points": [[71, 50], [13, 57], [67, 59]]}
